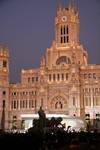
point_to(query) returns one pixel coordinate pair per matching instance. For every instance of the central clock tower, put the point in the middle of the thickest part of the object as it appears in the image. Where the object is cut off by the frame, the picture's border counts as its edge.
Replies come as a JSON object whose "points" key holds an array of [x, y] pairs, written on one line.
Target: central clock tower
{"points": [[66, 48], [67, 25]]}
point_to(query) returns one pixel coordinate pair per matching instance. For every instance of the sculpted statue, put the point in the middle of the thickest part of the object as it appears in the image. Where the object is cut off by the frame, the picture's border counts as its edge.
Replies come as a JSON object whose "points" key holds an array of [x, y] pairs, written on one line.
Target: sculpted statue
{"points": [[42, 117]]}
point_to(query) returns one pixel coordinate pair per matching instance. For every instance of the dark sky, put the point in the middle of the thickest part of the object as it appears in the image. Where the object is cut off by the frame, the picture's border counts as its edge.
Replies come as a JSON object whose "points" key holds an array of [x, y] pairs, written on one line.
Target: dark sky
{"points": [[27, 28]]}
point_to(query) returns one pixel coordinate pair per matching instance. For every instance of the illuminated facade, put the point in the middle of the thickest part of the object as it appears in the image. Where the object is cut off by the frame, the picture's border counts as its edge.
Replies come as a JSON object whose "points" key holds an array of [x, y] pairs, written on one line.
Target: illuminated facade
{"points": [[64, 84]]}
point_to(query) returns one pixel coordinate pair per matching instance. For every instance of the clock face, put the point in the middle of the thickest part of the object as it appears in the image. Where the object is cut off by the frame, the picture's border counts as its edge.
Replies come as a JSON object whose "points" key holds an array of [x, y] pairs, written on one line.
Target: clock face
{"points": [[64, 18]]}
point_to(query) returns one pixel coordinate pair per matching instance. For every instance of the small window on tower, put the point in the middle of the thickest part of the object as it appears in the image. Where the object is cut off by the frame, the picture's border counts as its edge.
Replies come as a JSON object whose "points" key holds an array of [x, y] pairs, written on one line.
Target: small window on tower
{"points": [[49, 77], [64, 30], [4, 63], [67, 30], [61, 39], [67, 39], [4, 92]]}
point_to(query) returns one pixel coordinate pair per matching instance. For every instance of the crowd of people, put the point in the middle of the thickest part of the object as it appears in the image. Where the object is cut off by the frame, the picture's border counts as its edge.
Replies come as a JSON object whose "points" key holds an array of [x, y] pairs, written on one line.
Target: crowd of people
{"points": [[52, 139]]}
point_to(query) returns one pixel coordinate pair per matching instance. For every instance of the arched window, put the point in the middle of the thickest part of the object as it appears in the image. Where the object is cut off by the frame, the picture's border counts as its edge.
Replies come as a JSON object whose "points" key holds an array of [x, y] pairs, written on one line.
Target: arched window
{"points": [[4, 63], [58, 105], [67, 39], [64, 30], [61, 39], [63, 60]]}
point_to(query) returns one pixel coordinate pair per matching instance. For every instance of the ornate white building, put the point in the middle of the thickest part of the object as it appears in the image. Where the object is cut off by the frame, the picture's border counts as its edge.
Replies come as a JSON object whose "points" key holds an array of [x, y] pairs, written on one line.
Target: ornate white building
{"points": [[64, 84]]}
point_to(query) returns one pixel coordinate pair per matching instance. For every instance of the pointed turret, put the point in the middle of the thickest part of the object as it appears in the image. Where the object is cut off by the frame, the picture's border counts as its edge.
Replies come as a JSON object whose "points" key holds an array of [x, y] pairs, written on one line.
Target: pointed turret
{"points": [[59, 6], [72, 5], [67, 25]]}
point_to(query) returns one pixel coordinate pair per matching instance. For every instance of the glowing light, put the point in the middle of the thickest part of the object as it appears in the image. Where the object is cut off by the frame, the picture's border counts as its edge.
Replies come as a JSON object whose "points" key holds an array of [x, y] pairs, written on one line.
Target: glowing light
{"points": [[75, 122]]}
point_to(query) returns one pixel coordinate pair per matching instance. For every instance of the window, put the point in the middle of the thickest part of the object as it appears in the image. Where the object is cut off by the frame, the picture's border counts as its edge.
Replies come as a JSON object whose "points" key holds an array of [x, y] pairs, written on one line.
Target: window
{"points": [[97, 101], [66, 76], [14, 93], [32, 79], [49, 77], [3, 105], [36, 79], [14, 117], [35, 103], [35, 92], [67, 39], [26, 103], [4, 63], [4, 92], [20, 103], [94, 76], [63, 60], [23, 104], [89, 75], [87, 101], [64, 34], [32, 93], [28, 80], [58, 105], [15, 104], [32, 103]]}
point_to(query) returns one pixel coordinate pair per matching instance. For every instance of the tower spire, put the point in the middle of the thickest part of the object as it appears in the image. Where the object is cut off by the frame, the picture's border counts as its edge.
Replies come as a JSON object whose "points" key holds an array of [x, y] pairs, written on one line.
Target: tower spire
{"points": [[72, 4], [58, 5]]}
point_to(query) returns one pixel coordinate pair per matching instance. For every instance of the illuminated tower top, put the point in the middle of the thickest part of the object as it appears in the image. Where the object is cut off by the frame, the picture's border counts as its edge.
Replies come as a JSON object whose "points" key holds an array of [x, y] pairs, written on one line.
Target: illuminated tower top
{"points": [[67, 25]]}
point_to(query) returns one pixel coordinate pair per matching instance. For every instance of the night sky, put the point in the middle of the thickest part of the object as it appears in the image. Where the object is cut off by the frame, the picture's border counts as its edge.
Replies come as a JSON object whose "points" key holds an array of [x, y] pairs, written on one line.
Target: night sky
{"points": [[27, 29]]}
